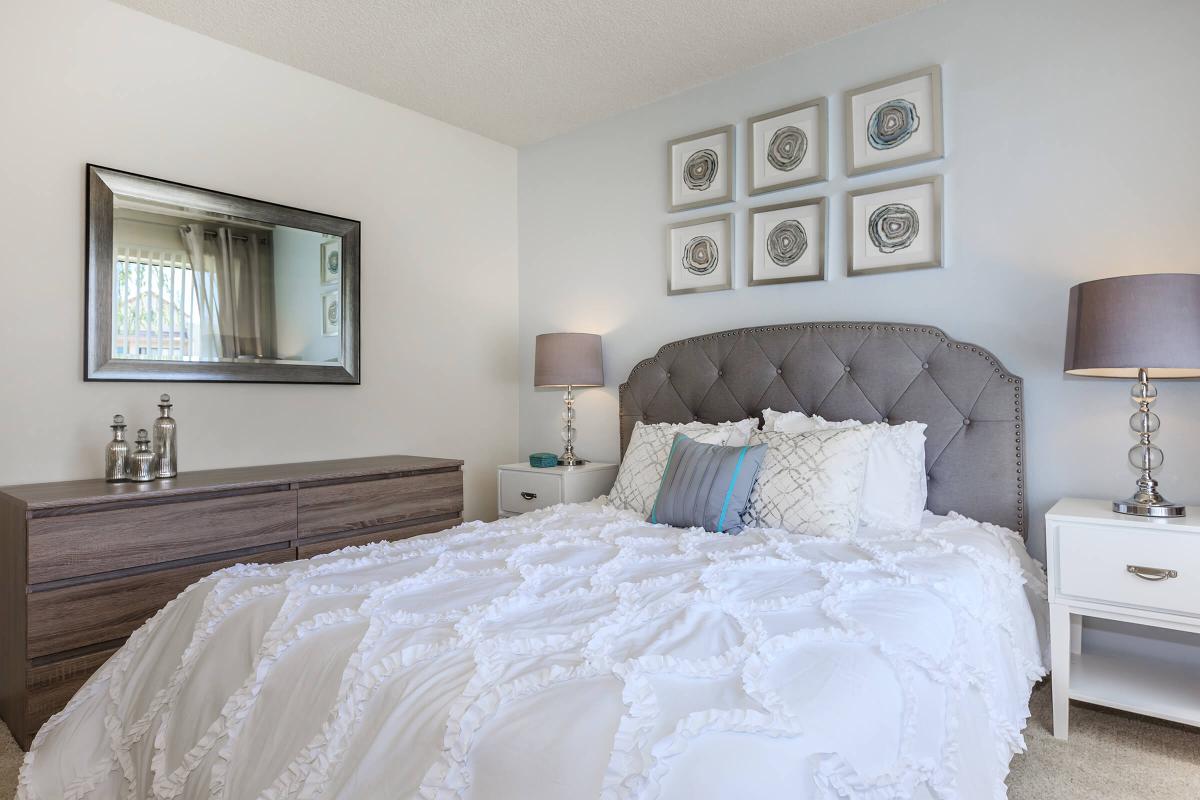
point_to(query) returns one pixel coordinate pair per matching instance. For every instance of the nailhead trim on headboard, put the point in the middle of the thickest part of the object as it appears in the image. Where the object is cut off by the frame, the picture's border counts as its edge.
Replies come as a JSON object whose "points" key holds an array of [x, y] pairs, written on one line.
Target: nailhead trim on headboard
{"points": [[861, 370]]}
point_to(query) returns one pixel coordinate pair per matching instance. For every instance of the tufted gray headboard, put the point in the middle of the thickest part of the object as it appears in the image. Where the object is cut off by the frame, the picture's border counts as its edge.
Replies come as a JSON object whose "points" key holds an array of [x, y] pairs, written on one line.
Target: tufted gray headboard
{"points": [[974, 450]]}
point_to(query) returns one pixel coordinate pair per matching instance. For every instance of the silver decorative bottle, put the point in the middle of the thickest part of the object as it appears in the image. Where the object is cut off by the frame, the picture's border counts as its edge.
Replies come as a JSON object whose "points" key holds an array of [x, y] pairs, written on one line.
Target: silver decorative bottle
{"points": [[116, 453], [164, 440], [143, 465]]}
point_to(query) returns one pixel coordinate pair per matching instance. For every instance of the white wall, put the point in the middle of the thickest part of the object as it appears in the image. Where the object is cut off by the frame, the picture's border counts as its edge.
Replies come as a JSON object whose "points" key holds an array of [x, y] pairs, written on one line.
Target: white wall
{"points": [[1070, 132], [84, 80]]}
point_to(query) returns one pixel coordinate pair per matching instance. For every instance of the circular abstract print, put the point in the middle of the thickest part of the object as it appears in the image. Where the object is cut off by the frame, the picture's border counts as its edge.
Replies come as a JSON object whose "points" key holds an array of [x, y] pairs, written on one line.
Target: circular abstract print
{"points": [[892, 124], [332, 265], [893, 227], [787, 148], [700, 170], [700, 255], [786, 242]]}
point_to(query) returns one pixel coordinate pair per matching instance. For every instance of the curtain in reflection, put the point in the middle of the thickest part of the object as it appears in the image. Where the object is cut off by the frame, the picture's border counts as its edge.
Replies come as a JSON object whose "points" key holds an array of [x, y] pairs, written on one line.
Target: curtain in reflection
{"points": [[235, 291], [203, 255]]}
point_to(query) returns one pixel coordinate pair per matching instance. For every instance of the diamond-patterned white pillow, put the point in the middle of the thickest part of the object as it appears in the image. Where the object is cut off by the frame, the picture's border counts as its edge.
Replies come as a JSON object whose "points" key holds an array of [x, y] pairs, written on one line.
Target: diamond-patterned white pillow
{"points": [[641, 471], [895, 487], [810, 482]]}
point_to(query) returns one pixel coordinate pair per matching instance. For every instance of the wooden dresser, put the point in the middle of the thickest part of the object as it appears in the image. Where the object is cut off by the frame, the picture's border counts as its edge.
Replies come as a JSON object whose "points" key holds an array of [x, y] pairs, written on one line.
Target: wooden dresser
{"points": [[84, 563]]}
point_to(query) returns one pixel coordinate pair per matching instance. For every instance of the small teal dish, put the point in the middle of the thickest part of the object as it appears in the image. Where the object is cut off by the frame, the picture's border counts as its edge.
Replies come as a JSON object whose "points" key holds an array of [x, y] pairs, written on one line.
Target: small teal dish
{"points": [[543, 460]]}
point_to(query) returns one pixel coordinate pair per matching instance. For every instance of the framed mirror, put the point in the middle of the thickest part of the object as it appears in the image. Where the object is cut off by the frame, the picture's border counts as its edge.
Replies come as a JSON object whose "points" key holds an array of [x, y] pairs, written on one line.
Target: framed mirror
{"points": [[186, 284]]}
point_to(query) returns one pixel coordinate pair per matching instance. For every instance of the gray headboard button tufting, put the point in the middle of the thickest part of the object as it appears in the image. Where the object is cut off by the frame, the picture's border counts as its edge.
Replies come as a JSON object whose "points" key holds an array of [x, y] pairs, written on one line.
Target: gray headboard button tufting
{"points": [[872, 371]]}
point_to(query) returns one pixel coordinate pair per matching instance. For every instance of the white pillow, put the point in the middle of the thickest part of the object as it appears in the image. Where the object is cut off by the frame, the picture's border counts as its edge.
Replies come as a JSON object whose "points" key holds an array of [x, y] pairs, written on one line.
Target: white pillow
{"points": [[641, 471], [895, 486], [810, 482]]}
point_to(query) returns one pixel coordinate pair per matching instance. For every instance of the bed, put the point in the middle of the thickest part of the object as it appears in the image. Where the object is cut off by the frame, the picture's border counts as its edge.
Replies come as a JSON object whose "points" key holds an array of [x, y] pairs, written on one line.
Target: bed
{"points": [[580, 651]]}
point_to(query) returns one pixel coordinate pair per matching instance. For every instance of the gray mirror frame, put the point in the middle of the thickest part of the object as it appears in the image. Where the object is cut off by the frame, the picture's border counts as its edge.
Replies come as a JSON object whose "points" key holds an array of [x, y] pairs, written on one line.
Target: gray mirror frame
{"points": [[99, 364]]}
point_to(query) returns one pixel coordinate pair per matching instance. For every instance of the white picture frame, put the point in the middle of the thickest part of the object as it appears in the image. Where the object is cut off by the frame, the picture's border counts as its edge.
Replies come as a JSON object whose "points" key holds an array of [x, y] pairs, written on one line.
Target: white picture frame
{"points": [[894, 122], [700, 255], [702, 169], [788, 242], [895, 228], [331, 314], [788, 147]]}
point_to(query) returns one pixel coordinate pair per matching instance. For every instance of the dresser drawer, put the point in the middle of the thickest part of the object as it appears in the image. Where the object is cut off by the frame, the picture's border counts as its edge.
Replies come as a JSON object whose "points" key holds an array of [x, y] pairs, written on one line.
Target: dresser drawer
{"points": [[76, 545], [528, 491], [48, 687], [322, 546], [372, 503], [1093, 564], [102, 611]]}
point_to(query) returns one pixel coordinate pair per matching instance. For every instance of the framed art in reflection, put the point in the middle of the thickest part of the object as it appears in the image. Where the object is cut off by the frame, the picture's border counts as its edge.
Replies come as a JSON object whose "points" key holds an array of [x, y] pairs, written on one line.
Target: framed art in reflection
{"points": [[331, 314], [331, 261]]}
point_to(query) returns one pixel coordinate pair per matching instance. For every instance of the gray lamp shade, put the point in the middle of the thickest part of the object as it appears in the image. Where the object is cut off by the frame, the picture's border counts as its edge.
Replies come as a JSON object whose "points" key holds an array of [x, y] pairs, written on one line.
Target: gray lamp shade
{"points": [[568, 359], [1117, 326]]}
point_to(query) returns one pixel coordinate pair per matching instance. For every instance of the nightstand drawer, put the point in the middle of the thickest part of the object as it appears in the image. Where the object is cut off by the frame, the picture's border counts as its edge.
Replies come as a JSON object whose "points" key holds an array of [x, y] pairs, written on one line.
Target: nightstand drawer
{"points": [[1094, 563], [528, 491]]}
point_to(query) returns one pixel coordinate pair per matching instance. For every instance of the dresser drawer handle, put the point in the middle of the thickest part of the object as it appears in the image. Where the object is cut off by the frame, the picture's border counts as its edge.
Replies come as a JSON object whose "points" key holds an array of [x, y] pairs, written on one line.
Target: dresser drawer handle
{"points": [[1151, 573], [529, 495]]}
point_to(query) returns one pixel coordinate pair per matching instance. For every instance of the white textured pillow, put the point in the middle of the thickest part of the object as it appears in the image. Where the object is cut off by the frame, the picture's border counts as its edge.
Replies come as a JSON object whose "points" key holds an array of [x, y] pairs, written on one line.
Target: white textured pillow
{"points": [[641, 471], [895, 487], [810, 482]]}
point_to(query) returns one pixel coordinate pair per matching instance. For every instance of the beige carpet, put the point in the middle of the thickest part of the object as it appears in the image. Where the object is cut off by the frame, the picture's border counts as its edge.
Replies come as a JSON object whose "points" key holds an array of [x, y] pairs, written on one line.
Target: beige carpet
{"points": [[1111, 756], [10, 762]]}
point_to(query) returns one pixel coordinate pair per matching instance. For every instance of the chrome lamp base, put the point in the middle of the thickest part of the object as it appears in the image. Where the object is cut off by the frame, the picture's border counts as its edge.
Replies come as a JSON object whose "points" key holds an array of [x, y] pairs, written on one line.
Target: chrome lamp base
{"points": [[1146, 457], [1141, 506]]}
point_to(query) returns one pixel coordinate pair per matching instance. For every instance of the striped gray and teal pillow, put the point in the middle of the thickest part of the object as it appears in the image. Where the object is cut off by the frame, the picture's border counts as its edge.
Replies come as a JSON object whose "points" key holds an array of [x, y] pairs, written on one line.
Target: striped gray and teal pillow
{"points": [[706, 485]]}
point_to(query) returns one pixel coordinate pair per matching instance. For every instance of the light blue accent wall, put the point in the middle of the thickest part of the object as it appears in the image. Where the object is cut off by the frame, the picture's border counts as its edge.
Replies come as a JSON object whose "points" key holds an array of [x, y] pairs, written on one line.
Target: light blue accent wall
{"points": [[1070, 154]]}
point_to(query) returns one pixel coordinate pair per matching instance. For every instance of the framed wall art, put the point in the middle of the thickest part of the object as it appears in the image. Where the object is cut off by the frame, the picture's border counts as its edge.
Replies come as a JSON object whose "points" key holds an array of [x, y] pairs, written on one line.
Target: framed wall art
{"points": [[895, 122], [700, 255], [702, 172], [895, 227], [788, 147], [787, 242]]}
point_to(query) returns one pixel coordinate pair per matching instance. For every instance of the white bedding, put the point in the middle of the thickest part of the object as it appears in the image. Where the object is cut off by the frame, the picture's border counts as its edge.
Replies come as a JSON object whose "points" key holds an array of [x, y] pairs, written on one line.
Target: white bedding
{"points": [[576, 652]]}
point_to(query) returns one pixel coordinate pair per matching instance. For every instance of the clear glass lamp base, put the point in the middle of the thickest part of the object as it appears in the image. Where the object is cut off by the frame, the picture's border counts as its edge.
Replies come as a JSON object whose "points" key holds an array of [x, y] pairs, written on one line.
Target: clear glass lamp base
{"points": [[568, 457], [1146, 457]]}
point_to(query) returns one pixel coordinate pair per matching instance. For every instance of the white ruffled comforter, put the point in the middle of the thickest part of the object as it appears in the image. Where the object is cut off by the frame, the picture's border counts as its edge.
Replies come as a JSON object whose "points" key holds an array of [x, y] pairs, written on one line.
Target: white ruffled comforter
{"points": [[576, 652]]}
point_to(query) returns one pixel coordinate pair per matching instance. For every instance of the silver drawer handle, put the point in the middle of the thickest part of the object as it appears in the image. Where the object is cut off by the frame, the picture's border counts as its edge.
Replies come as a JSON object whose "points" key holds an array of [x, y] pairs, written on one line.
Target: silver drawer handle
{"points": [[529, 495], [1151, 573]]}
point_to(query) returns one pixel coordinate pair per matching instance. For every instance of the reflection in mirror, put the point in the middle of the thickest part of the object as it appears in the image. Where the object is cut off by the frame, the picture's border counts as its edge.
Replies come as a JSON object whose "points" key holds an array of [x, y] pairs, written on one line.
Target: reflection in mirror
{"points": [[191, 284], [195, 287]]}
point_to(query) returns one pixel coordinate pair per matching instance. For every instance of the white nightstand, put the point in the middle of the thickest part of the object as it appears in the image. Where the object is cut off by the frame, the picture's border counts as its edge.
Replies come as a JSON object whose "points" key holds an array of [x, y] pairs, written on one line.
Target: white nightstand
{"points": [[524, 488], [1131, 569]]}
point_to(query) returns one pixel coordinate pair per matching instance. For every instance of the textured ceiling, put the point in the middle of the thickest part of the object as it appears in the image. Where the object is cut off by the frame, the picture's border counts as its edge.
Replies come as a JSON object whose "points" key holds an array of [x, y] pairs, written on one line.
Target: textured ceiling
{"points": [[520, 71]]}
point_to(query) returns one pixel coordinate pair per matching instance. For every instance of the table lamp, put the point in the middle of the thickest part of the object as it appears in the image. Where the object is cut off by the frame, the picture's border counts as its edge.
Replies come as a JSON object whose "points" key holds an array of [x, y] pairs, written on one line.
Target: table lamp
{"points": [[568, 360], [1137, 326]]}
